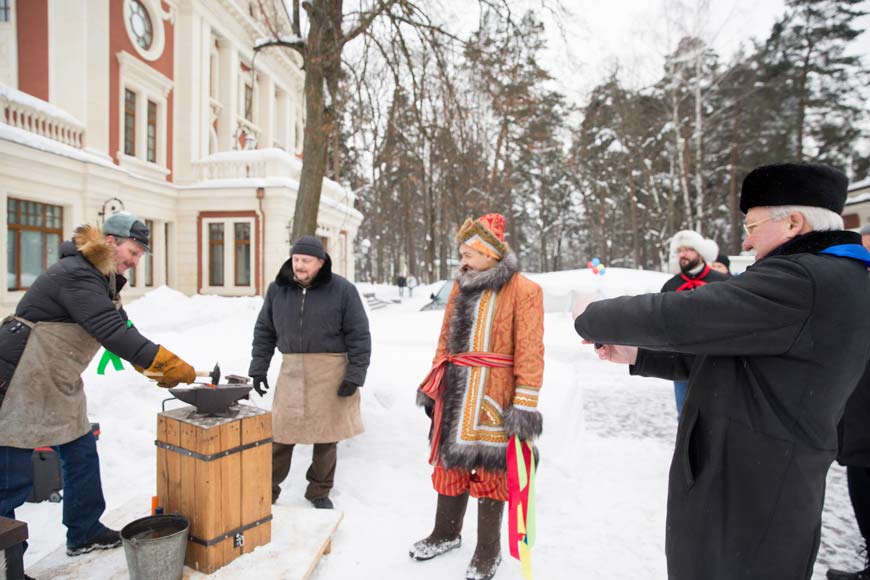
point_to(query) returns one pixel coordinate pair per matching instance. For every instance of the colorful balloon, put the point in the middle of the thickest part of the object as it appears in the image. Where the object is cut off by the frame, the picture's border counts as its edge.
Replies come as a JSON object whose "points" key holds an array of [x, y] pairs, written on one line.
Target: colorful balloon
{"points": [[596, 261]]}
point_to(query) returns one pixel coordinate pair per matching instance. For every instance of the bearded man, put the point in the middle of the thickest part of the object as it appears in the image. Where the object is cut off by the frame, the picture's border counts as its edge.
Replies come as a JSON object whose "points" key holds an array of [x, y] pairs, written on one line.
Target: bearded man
{"points": [[482, 390]]}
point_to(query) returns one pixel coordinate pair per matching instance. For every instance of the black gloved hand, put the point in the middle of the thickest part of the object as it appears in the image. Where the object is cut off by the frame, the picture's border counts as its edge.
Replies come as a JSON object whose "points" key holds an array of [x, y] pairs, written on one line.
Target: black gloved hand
{"points": [[429, 410], [261, 385], [347, 388]]}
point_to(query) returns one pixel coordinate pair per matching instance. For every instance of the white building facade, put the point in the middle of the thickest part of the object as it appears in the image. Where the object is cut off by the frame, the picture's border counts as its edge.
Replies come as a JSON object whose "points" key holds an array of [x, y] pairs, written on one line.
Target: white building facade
{"points": [[857, 211], [159, 107]]}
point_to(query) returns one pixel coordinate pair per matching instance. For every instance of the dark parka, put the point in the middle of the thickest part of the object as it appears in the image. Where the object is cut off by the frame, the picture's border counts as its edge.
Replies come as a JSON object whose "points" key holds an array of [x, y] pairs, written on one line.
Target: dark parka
{"points": [[771, 357], [854, 428], [73, 308], [74, 289], [327, 318]]}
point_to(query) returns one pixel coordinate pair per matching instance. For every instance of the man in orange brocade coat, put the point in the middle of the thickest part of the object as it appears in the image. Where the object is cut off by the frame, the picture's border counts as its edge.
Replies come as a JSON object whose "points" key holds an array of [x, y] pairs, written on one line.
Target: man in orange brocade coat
{"points": [[482, 390]]}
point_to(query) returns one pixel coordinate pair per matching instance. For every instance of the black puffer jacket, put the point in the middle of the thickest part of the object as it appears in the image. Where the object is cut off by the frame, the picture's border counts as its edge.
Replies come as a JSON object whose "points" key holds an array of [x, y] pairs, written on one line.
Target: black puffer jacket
{"points": [[327, 317], [771, 358], [74, 289]]}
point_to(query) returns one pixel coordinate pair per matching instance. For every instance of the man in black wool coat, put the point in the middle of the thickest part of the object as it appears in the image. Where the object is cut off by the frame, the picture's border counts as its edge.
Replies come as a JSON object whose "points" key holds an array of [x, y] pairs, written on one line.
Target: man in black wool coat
{"points": [[772, 357]]}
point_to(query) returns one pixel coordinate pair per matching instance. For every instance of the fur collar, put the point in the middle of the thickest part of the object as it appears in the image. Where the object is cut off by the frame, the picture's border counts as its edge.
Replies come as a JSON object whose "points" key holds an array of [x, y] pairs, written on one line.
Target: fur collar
{"points": [[90, 241], [492, 279], [815, 242], [285, 274]]}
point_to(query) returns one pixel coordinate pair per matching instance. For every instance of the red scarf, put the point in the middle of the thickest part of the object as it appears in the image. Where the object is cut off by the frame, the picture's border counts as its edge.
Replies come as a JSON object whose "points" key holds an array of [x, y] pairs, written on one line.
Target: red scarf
{"points": [[692, 283], [433, 385]]}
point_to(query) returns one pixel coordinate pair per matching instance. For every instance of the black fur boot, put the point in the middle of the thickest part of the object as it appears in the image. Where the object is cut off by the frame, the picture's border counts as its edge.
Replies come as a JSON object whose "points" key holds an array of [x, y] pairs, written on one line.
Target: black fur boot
{"points": [[487, 555], [858, 575], [448, 523]]}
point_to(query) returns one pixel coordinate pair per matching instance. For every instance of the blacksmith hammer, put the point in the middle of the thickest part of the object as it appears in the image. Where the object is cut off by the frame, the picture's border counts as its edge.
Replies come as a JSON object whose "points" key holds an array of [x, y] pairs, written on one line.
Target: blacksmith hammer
{"points": [[214, 374]]}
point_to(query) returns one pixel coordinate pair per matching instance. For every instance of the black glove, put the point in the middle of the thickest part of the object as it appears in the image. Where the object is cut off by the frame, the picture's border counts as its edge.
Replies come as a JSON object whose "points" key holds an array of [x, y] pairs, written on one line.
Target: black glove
{"points": [[429, 410], [347, 388], [261, 385]]}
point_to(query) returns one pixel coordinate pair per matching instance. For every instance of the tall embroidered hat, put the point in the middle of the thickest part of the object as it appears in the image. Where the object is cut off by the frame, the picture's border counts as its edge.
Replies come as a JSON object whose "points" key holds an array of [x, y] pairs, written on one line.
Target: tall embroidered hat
{"points": [[485, 234]]}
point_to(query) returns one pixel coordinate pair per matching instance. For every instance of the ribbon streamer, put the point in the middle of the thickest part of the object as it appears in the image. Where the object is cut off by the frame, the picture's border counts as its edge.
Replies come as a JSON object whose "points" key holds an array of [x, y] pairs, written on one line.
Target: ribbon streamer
{"points": [[521, 502], [110, 357]]}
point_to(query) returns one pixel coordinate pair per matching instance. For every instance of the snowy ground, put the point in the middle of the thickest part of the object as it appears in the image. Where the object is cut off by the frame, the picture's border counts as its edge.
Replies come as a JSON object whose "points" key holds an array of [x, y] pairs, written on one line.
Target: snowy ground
{"points": [[606, 446]]}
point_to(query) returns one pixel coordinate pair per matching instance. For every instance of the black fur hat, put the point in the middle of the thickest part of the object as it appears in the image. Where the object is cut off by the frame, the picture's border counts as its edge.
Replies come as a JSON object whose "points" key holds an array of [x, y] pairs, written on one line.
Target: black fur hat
{"points": [[794, 184]]}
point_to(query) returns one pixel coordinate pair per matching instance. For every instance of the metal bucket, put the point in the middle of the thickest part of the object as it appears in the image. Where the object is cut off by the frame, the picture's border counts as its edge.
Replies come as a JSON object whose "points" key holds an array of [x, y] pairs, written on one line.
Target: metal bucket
{"points": [[155, 547]]}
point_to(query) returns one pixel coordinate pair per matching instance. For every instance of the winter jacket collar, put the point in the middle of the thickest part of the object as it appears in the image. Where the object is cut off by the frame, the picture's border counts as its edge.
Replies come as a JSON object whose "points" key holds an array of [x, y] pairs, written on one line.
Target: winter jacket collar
{"points": [[491, 279], [815, 242], [285, 274], [90, 242]]}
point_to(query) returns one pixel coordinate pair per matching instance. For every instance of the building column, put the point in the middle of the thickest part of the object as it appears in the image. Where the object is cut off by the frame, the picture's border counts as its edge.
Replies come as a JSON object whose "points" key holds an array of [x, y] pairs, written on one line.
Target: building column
{"points": [[229, 97], [187, 92], [266, 120]]}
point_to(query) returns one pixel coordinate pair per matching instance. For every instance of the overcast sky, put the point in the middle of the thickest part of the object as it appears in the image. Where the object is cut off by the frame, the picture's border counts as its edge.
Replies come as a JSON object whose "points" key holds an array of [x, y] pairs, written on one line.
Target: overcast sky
{"points": [[596, 35]]}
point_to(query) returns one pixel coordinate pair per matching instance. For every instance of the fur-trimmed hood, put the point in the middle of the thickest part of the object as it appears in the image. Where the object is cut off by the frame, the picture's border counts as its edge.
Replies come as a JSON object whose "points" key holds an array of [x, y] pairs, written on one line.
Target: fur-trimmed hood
{"points": [[90, 241]]}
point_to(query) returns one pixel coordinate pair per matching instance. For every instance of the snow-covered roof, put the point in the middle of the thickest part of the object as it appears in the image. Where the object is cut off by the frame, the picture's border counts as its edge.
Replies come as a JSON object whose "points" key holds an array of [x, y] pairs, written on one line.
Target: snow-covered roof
{"points": [[16, 96], [859, 185], [255, 182], [28, 139], [858, 198], [250, 155]]}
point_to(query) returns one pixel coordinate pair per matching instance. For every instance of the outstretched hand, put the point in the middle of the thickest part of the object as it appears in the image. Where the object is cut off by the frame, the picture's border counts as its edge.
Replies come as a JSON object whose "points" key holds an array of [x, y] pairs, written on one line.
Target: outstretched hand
{"points": [[615, 353]]}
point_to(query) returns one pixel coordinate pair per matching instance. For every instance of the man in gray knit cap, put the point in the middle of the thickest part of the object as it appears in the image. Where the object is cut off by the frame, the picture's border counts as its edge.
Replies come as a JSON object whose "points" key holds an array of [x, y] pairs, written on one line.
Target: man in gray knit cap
{"points": [[317, 321]]}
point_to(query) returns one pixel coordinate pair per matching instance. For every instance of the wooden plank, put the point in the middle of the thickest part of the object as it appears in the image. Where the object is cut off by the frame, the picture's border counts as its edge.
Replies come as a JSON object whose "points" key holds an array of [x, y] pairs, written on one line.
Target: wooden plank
{"points": [[256, 469], [325, 547], [188, 488], [231, 491], [304, 535], [168, 465]]}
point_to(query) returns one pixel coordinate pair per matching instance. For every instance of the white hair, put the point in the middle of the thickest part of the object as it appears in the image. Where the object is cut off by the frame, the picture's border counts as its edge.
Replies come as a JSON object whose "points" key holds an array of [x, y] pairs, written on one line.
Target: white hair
{"points": [[818, 218]]}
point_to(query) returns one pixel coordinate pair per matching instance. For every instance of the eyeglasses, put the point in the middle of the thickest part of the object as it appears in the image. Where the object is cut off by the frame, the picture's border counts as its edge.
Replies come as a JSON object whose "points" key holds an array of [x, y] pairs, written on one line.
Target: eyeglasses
{"points": [[748, 228]]}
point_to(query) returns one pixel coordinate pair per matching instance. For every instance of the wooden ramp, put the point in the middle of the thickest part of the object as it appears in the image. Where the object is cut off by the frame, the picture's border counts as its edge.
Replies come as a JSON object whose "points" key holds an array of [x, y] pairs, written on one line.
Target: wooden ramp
{"points": [[300, 537]]}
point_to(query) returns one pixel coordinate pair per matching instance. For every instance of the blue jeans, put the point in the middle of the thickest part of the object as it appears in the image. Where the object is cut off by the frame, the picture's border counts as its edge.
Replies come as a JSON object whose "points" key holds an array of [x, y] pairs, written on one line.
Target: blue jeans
{"points": [[83, 501], [680, 390]]}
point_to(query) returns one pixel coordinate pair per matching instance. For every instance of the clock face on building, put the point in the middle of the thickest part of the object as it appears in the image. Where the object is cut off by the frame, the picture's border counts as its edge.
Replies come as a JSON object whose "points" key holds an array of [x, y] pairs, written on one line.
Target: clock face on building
{"points": [[140, 24]]}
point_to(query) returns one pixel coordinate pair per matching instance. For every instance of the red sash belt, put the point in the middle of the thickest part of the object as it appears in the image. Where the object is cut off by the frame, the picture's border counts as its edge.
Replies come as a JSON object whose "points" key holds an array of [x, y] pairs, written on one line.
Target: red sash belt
{"points": [[433, 385]]}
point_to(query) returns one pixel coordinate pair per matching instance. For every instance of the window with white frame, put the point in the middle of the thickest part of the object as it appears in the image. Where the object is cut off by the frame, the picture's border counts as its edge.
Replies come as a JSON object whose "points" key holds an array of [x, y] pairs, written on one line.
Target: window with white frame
{"points": [[33, 235], [228, 254], [5, 10], [143, 117]]}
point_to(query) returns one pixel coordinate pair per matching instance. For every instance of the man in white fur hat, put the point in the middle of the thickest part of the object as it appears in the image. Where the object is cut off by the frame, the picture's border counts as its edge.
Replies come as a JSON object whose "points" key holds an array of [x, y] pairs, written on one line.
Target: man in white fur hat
{"points": [[695, 254]]}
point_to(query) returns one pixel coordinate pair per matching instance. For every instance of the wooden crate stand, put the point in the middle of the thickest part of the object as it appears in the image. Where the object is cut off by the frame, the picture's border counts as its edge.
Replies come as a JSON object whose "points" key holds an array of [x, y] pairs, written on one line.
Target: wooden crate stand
{"points": [[218, 473]]}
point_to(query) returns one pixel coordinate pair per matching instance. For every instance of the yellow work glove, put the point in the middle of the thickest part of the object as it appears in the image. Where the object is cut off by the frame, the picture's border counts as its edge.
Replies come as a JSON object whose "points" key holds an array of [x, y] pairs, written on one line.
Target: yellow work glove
{"points": [[169, 370]]}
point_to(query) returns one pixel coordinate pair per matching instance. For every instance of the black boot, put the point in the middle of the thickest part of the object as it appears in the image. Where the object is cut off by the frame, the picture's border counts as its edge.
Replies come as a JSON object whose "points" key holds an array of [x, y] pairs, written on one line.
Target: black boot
{"points": [[448, 524], [859, 575], [487, 555], [841, 575]]}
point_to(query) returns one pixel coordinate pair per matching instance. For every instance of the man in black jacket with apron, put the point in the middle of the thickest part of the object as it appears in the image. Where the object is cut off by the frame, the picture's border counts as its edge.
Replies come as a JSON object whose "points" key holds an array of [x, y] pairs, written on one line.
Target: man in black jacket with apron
{"points": [[60, 323], [317, 321], [772, 357]]}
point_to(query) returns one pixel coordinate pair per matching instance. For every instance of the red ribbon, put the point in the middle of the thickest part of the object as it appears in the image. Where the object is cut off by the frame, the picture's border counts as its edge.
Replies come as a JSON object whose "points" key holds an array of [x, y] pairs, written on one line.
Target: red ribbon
{"points": [[692, 283], [433, 385]]}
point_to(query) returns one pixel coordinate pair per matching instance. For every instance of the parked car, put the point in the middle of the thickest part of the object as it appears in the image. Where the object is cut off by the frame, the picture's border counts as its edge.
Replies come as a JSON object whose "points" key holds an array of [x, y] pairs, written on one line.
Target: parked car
{"points": [[439, 299]]}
